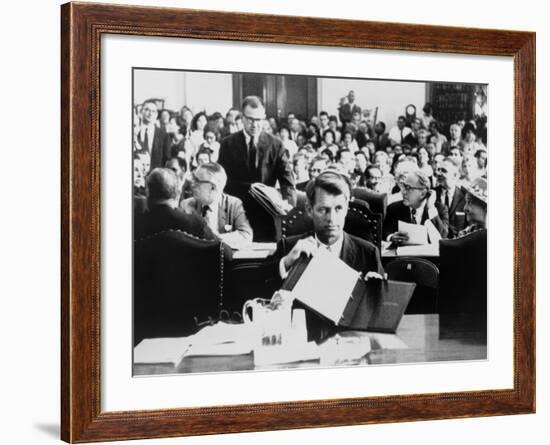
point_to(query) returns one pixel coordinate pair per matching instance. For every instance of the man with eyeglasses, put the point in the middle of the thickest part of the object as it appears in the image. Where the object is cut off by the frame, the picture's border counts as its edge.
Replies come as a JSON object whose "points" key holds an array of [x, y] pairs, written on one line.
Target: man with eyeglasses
{"points": [[252, 155], [450, 195], [224, 214], [418, 206]]}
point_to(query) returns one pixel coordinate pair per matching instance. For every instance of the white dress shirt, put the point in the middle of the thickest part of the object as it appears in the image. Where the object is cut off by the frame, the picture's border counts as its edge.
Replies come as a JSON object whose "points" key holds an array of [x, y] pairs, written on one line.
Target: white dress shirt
{"points": [[150, 135], [333, 249]]}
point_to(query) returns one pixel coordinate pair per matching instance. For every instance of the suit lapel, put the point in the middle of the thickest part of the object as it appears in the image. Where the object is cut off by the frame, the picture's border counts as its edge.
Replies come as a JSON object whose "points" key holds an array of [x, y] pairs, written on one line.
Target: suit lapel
{"points": [[348, 254], [457, 198]]}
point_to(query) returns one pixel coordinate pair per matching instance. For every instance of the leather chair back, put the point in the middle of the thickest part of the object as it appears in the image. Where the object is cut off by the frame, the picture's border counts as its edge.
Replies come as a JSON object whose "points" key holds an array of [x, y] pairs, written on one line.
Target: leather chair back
{"points": [[178, 280]]}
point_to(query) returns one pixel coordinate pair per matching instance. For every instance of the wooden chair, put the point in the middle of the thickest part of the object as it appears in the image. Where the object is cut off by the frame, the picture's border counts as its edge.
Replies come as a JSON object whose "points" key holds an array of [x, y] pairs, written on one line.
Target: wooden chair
{"points": [[426, 276], [178, 282]]}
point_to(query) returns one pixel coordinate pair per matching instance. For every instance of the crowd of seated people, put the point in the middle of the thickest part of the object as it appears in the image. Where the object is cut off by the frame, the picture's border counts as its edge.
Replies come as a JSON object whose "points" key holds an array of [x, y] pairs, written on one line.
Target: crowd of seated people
{"points": [[429, 170]]}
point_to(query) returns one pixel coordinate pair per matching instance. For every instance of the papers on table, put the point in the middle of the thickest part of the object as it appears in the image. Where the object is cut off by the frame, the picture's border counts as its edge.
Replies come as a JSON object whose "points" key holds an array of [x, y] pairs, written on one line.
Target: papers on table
{"points": [[417, 233], [326, 285], [161, 350], [423, 240], [219, 339], [255, 250]]}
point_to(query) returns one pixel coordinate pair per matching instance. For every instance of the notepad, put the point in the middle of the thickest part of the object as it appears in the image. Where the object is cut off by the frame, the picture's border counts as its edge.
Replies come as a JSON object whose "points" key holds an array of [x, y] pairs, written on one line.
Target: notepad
{"points": [[417, 233]]}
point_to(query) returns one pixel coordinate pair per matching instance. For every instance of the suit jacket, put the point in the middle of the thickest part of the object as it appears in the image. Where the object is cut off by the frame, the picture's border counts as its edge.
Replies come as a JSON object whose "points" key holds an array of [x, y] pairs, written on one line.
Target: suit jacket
{"points": [[161, 148], [357, 253], [161, 217], [398, 211], [381, 142], [456, 222], [232, 219], [345, 112], [272, 160]]}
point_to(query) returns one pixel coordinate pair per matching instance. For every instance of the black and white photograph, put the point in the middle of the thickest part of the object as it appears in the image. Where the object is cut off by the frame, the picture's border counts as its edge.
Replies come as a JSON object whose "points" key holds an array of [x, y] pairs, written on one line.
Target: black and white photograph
{"points": [[286, 221]]}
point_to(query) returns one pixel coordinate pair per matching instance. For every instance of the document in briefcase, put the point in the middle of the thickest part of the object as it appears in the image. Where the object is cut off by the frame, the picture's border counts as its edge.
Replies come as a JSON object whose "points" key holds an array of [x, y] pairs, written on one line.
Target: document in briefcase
{"points": [[373, 305]]}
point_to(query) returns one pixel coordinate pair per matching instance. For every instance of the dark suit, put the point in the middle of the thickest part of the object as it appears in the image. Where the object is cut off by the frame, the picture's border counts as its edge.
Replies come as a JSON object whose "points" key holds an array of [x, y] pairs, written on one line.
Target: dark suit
{"points": [[161, 217], [160, 149], [456, 222], [398, 211], [357, 253], [382, 141], [273, 165]]}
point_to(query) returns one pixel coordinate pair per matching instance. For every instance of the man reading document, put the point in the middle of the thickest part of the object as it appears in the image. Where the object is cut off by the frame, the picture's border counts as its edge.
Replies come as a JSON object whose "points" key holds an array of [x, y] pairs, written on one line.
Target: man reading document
{"points": [[328, 198]]}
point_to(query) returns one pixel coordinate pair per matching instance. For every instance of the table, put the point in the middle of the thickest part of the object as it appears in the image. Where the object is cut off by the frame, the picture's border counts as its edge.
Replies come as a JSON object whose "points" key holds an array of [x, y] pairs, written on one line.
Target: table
{"points": [[419, 338]]}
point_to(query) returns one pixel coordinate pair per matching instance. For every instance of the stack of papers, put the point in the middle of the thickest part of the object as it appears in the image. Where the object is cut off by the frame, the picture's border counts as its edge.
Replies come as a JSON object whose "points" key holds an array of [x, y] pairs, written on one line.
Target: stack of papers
{"points": [[423, 239], [219, 339]]}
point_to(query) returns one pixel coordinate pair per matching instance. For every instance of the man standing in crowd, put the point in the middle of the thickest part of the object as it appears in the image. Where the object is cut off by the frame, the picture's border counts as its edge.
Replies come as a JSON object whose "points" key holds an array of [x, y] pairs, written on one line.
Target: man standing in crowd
{"points": [[152, 139], [253, 155], [418, 206], [449, 194], [399, 132], [347, 108], [381, 138], [163, 193], [224, 214]]}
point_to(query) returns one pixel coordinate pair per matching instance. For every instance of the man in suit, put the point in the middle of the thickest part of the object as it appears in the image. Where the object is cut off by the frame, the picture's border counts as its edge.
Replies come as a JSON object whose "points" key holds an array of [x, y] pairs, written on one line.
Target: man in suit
{"points": [[224, 214], [347, 108], [253, 155], [163, 192], [328, 198], [418, 206], [450, 195], [152, 139], [381, 138]]}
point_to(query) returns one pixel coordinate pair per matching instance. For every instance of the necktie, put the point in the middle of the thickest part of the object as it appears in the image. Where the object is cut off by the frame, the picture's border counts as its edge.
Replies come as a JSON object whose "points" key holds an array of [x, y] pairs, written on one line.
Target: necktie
{"points": [[447, 200], [401, 136], [205, 211], [252, 156], [146, 139], [413, 216]]}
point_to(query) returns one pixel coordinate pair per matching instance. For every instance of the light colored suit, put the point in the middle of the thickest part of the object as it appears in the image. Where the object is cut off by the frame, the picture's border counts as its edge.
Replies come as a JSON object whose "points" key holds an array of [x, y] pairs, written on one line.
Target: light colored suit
{"points": [[233, 226]]}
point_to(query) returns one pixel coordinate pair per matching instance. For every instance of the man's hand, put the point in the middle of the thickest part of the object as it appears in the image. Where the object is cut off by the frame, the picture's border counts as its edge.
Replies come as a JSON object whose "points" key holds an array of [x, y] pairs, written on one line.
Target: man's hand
{"points": [[375, 275], [306, 246], [400, 237]]}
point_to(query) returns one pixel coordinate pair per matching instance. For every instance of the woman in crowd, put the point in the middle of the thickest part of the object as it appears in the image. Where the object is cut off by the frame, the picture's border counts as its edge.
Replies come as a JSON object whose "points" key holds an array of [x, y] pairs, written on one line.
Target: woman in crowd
{"points": [[437, 138], [424, 161], [211, 144], [475, 206], [313, 135], [348, 142], [469, 139], [198, 124], [164, 119], [329, 143]]}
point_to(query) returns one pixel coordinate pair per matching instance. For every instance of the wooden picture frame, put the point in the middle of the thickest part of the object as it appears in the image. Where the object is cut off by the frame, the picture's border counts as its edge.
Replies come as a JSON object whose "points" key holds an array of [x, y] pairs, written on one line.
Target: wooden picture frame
{"points": [[82, 26]]}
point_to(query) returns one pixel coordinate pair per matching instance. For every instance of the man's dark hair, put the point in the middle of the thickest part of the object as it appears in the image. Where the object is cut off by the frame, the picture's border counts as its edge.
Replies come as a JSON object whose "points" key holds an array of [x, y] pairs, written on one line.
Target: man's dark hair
{"points": [[361, 153], [252, 102], [331, 132], [326, 152], [330, 181], [162, 185], [323, 113], [333, 118], [402, 118], [339, 153], [382, 124]]}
